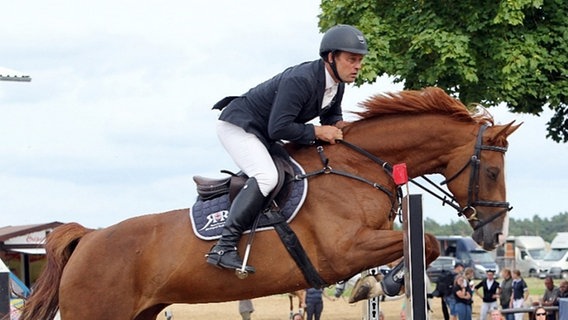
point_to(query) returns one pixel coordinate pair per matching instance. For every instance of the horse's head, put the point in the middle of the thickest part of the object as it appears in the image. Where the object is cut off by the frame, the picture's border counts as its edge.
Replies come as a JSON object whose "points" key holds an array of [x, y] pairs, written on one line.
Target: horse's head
{"points": [[476, 177], [471, 161]]}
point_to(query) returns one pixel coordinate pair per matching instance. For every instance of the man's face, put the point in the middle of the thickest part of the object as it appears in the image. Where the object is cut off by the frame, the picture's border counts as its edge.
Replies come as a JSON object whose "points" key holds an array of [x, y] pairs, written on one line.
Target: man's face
{"points": [[496, 315], [348, 65], [563, 286], [548, 283], [490, 275]]}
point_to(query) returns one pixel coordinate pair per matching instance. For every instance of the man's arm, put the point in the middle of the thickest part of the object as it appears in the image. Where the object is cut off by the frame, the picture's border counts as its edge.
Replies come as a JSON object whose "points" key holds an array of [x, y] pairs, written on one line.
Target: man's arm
{"points": [[526, 293]]}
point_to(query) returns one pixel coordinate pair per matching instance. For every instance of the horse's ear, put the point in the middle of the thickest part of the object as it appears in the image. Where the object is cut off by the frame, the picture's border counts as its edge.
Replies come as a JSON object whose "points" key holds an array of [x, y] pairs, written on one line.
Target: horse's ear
{"points": [[506, 130]]}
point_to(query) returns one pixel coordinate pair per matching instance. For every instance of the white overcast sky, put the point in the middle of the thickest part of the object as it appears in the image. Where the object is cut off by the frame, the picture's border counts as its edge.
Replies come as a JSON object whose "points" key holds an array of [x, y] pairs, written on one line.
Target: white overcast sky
{"points": [[117, 118]]}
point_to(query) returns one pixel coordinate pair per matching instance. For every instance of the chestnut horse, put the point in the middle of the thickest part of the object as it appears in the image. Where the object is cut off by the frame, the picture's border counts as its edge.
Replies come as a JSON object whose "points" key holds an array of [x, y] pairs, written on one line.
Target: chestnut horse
{"points": [[136, 268]]}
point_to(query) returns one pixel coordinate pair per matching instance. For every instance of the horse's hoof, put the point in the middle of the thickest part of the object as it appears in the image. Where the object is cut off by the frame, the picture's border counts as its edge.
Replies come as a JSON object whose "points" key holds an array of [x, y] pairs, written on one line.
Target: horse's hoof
{"points": [[361, 294], [376, 288], [362, 288], [241, 274], [366, 288]]}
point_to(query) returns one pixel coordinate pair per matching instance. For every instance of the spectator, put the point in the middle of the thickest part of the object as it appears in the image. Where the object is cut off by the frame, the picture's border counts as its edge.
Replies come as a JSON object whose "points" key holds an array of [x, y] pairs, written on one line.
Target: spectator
{"points": [[496, 315], [540, 313], [489, 296], [314, 303], [246, 309], [463, 295], [550, 296], [444, 287], [297, 316], [520, 293], [469, 275], [563, 289], [505, 291]]}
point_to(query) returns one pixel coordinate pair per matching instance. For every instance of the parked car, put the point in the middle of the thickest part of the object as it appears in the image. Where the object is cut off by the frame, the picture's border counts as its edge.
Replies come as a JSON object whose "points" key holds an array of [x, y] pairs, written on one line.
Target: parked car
{"points": [[469, 253], [438, 266]]}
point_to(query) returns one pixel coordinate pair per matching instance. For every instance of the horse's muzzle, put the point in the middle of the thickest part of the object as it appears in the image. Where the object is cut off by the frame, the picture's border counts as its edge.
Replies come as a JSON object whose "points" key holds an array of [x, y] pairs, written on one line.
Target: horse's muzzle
{"points": [[488, 241]]}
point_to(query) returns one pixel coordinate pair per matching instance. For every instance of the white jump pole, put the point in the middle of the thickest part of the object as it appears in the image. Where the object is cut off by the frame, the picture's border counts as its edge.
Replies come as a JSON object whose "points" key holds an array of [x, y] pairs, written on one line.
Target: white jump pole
{"points": [[371, 308]]}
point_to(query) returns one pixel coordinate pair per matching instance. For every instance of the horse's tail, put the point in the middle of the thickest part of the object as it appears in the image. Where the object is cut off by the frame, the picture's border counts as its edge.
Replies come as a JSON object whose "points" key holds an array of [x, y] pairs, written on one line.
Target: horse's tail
{"points": [[44, 300]]}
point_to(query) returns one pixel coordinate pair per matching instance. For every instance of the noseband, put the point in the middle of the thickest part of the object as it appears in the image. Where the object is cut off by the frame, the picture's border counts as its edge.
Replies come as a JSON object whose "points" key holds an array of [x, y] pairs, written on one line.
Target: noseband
{"points": [[473, 200]]}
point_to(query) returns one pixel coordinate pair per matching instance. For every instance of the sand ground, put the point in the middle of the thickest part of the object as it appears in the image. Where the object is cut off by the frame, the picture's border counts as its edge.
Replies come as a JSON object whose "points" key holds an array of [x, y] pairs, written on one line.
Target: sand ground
{"points": [[277, 307]]}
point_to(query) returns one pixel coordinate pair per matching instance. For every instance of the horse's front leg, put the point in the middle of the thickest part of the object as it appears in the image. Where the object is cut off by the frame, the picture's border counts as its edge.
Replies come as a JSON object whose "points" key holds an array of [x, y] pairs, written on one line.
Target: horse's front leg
{"points": [[392, 284], [431, 248]]}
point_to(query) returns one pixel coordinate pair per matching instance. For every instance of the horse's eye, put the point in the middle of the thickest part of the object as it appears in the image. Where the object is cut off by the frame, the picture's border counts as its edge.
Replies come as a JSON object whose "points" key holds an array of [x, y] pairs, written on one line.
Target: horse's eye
{"points": [[493, 173]]}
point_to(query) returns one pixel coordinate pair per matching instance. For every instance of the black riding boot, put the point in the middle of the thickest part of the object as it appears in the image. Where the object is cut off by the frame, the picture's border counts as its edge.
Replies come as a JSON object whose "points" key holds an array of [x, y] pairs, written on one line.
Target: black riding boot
{"points": [[244, 209]]}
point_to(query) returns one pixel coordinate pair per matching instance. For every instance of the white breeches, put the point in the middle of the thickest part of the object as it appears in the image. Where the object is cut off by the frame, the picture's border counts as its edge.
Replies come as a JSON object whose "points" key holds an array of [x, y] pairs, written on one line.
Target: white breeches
{"points": [[249, 154], [487, 307], [518, 304]]}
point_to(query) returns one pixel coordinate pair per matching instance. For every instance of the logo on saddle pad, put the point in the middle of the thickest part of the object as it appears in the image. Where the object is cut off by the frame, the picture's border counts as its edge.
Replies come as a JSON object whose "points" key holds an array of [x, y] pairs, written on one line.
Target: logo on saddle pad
{"points": [[215, 220]]}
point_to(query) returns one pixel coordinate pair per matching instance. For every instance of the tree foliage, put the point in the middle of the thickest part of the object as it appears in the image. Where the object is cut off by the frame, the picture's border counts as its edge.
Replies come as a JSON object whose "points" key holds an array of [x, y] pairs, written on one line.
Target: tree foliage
{"points": [[490, 52]]}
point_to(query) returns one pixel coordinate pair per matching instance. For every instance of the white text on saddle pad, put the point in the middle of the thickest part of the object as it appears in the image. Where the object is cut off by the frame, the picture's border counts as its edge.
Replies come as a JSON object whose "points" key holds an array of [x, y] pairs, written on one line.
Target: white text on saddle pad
{"points": [[216, 219]]}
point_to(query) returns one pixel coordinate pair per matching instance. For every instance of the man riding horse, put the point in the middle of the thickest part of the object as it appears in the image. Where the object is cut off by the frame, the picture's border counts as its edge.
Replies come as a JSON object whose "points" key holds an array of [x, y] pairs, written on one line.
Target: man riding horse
{"points": [[279, 109]]}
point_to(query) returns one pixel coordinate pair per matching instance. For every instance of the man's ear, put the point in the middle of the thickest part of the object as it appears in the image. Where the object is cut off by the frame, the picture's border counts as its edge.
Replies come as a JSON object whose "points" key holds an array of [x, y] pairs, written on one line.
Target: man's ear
{"points": [[329, 57]]}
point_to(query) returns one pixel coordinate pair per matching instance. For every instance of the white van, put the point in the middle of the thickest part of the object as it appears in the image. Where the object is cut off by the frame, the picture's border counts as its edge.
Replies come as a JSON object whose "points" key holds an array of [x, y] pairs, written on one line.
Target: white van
{"points": [[524, 253], [555, 262]]}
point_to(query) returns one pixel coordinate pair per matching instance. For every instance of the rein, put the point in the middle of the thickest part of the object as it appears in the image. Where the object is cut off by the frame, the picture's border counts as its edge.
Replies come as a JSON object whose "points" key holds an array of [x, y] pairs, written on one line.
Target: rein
{"points": [[447, 198], [327, 169]]}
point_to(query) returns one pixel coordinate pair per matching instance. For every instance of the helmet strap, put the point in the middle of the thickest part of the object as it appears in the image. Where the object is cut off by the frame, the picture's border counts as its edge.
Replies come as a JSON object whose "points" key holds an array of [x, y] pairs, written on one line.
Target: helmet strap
{"points": [[333, 65]]}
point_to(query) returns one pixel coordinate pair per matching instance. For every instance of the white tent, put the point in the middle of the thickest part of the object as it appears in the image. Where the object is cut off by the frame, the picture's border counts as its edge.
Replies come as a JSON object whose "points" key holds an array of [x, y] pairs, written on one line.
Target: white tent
{"points": [[13, 75]]}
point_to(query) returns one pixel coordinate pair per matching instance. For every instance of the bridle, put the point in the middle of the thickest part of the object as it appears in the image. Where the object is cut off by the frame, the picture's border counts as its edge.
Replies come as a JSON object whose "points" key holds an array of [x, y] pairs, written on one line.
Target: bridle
{"points": [[473, 200]]}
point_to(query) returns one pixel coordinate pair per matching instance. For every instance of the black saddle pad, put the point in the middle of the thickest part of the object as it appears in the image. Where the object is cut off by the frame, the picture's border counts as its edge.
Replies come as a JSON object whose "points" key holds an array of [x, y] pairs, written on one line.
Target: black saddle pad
{"points": [[208, 217]]}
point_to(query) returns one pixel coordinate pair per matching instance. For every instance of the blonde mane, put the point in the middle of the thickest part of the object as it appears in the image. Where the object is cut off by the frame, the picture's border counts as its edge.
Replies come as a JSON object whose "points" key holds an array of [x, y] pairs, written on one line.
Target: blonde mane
{"points": [[429, 100]]}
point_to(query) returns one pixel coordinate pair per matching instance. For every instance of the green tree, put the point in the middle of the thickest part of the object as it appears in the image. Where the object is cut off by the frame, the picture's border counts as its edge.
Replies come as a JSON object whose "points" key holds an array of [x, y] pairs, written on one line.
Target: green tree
{"points": [[490, 52], [537, 226]]}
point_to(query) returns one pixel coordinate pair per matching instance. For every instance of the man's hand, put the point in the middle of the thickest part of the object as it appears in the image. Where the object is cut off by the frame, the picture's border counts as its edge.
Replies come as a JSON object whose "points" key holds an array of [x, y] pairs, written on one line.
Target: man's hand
{"points": [[341, 124], [328, 133]]}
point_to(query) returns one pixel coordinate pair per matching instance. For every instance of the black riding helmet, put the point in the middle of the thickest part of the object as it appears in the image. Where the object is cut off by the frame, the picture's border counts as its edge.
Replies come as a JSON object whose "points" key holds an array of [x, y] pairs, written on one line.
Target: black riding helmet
{"points": [[342, 37]]}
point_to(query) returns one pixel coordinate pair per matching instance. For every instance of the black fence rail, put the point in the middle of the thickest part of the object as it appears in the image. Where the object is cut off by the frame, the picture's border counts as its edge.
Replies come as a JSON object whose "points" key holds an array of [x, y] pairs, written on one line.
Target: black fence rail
{"points": [[530, 311]]}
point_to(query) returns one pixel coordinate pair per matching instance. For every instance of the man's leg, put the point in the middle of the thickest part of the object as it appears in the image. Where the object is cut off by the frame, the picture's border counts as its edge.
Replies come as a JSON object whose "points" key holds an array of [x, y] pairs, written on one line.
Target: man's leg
{"points": [[245, 208]]}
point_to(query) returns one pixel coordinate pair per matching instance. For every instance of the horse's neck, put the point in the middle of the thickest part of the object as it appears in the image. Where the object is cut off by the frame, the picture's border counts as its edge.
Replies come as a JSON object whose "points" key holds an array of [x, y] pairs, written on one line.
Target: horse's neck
{"points": [[424, 143]]}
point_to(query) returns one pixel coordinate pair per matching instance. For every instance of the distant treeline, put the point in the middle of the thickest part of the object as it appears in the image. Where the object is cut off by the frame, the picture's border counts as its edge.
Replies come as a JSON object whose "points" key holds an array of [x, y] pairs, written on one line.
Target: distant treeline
{"points": [[537, 226]]}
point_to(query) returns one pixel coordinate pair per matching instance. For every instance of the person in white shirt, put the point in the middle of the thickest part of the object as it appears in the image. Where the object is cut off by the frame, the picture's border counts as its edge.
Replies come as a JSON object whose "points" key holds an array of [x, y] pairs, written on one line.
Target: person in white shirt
{"points": [[489, 297]]}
